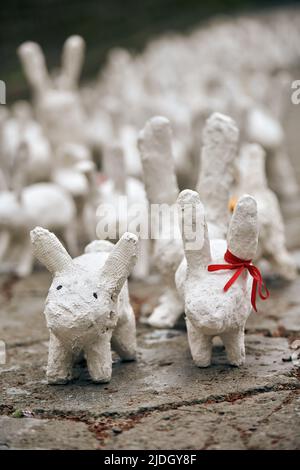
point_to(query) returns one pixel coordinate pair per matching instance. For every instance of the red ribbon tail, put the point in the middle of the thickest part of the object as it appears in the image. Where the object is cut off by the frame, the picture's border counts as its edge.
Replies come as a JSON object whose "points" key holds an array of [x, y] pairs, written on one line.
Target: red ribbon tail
{"points": [[253, 294], [262, 287]]}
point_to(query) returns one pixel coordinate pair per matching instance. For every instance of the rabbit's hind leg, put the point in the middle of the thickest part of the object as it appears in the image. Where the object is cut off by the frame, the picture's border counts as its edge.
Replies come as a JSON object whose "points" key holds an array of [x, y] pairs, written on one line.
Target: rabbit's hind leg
{"points": [[234, 342], [200, 345], [124, 336]]}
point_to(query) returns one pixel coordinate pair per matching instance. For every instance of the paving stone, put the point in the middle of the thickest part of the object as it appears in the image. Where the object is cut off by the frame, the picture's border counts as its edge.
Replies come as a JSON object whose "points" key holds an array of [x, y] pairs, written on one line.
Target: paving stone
{"points": [[262, 421], [28, 433], [163, 374], [281, 310], [21, 309]]}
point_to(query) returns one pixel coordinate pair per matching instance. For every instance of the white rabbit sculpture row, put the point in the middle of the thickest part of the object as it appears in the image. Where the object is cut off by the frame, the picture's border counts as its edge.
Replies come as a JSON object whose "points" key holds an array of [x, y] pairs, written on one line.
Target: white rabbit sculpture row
{"points": [[58, 161], [61, 140], [87, 308], [236, 77]]}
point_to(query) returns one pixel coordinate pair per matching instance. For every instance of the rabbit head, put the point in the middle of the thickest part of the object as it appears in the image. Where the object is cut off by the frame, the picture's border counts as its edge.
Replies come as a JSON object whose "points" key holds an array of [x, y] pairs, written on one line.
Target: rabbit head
{"points": [[58, 104], [82, 299]]}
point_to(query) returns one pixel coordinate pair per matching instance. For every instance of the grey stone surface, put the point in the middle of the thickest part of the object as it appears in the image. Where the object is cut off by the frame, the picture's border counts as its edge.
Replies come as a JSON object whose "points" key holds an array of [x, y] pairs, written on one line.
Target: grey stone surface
{"points": [[280, 312], [162, 382], [262, 421], [28, 433]]}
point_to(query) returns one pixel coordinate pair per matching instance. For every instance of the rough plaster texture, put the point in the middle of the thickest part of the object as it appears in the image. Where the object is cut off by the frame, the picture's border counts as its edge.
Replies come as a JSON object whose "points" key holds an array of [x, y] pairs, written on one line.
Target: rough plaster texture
{"points": [[155, 147], [87, 306], [218, 155]]}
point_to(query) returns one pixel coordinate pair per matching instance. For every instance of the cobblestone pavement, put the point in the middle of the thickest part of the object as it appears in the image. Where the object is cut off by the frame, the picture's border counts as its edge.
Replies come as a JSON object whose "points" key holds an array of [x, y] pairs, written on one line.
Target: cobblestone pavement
{"points": [[162, 400]]}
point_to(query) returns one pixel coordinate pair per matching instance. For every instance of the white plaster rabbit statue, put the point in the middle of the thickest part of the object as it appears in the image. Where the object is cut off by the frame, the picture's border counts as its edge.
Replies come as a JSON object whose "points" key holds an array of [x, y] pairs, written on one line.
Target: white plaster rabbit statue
{"points": [[214, 306], [87, 307], [57, 101], [272, 242]]}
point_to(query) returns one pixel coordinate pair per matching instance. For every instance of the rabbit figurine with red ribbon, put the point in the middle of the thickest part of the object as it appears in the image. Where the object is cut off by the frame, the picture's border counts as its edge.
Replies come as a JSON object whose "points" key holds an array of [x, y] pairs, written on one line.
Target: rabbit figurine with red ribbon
{"points": [[217, 279]]}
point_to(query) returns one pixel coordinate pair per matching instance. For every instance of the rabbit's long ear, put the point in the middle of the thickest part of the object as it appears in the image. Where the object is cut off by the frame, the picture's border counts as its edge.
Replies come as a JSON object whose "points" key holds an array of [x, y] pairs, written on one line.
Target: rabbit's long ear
{"points": [[49, 251], [72, 61], [119, 263], [34, 65], [193, 230], [242, 237], [155, 146], [218, 158]]}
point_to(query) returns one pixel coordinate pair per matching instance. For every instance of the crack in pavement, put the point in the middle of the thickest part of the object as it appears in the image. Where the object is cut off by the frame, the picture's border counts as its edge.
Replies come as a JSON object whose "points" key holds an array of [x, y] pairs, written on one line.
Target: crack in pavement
{"points": [[86, 416]]}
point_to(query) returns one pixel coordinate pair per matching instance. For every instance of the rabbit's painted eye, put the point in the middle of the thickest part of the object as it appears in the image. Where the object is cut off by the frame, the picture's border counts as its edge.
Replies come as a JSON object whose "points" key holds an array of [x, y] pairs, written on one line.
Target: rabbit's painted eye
{"points": [[95, 295], [59, 287]]}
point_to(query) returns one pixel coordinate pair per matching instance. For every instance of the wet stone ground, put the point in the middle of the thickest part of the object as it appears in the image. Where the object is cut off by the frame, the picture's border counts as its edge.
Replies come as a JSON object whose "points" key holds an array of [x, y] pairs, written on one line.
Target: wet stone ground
{"points": [[162, 401]]}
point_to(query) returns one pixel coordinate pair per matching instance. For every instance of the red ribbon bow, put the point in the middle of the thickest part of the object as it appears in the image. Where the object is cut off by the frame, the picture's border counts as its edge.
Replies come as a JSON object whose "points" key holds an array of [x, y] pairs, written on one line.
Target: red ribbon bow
{"points": [[240, 265]]}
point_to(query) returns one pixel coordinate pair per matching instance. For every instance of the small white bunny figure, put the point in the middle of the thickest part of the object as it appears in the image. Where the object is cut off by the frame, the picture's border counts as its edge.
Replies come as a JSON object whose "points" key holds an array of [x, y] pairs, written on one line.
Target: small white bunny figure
{"points": [[57, 101], [87, 307], [217, 294]]}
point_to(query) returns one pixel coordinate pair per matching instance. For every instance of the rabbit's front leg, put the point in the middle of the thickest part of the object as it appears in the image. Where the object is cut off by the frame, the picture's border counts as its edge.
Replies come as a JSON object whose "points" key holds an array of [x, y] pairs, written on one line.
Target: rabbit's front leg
{"points": [[60, 361], [200, 345], [98, 358], [234, 342]]}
